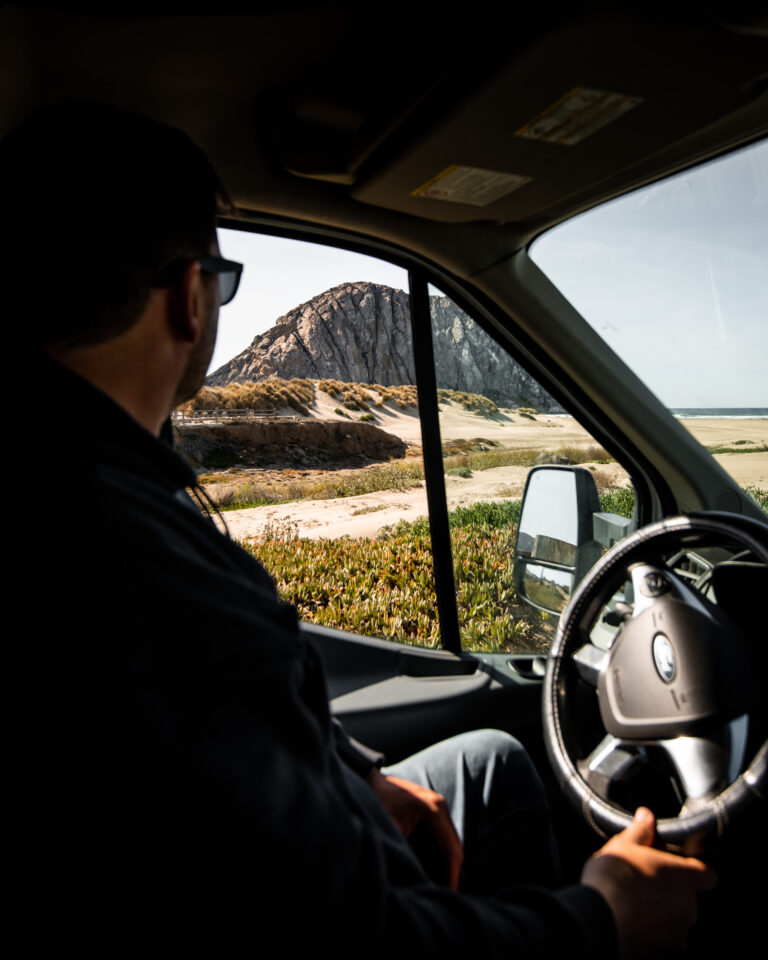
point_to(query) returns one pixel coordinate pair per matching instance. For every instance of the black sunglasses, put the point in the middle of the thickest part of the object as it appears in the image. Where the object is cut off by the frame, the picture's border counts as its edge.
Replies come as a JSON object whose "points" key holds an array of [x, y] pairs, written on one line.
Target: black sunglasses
{"points": [[228, 273]]}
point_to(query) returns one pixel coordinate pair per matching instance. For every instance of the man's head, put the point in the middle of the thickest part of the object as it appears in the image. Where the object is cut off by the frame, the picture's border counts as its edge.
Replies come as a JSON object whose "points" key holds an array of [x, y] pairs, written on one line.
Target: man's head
{"points": [[111, 259], [98, 204]]}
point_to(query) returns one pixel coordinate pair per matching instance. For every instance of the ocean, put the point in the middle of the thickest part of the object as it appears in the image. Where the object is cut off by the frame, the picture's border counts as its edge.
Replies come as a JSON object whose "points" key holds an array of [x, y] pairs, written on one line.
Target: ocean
{"points": [[730, 413]]}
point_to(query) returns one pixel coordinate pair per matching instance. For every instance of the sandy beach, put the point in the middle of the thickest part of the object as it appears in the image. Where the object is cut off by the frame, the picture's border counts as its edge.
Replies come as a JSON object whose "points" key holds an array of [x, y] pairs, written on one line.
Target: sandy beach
{"points": [[365, 515]]}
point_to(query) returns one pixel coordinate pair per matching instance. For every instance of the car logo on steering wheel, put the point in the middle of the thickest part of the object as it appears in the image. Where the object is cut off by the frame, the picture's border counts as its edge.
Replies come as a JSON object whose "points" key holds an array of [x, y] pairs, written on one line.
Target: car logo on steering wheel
{"points": [[664, 658]]}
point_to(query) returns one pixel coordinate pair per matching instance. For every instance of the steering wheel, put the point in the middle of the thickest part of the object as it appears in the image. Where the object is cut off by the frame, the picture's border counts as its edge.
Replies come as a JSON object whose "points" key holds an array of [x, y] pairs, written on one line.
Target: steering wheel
{"points": [[673, 683]]}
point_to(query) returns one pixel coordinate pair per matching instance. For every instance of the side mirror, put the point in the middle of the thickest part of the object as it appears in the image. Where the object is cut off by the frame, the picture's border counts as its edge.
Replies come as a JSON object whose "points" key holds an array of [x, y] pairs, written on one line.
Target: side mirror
{"points": [[555, 544]]}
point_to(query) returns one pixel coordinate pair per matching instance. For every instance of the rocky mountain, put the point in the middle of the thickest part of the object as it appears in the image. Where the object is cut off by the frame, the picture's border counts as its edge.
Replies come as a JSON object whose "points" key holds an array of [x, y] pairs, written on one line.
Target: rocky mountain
{"points": [[361, 333]]}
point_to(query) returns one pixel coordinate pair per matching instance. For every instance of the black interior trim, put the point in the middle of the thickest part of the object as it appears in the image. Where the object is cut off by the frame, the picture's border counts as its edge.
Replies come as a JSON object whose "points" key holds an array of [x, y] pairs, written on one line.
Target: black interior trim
{"points": [[426, 385]]}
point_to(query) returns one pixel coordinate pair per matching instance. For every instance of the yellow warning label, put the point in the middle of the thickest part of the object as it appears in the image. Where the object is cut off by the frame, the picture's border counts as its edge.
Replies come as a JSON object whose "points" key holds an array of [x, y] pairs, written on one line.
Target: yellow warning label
{"points": [[472, 185], [577, 115]]}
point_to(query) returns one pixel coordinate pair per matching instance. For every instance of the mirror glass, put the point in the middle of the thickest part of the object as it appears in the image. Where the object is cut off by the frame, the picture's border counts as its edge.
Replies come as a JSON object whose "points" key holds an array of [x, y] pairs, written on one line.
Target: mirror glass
{"points": [[547, 587], [550, 518]]}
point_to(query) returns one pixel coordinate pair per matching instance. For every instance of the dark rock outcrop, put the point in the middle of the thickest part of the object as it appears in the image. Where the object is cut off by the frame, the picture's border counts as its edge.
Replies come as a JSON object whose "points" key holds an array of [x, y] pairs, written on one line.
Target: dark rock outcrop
{"points": [[468, 359], [356, 332], [360, 333], [286, 443]]}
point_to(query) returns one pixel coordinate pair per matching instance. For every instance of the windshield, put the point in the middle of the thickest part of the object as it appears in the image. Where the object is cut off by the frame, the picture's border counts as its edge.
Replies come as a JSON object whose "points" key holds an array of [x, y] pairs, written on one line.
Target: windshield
{"points": [[675, 278]]}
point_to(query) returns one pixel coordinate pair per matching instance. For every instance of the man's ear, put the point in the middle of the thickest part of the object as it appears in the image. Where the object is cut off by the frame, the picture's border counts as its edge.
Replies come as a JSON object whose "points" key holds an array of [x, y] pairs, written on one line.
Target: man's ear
{"points": [[186, 304]]}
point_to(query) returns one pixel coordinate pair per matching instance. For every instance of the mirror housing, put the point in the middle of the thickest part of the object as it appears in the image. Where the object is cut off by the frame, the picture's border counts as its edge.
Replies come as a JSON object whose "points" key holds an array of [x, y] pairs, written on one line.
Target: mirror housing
{"points": [[555, 543]]}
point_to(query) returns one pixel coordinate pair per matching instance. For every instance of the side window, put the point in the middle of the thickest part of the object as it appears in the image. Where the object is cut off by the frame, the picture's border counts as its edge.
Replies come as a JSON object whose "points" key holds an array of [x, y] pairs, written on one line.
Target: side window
{"points": [[496, 423], [308, 440]]}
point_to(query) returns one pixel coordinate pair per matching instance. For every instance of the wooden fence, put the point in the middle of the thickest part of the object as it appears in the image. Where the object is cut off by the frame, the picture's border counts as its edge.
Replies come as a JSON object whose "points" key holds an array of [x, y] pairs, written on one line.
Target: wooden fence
{"points": [[222, 415]]}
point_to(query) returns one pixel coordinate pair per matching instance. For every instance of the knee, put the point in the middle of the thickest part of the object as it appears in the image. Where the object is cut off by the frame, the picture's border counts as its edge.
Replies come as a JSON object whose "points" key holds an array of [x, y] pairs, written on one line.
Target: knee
{"points": [[492, 743], [504, 761]]}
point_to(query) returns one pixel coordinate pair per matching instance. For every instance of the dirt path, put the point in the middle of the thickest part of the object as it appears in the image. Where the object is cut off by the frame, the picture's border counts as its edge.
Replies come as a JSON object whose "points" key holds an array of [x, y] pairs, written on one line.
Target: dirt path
{"points": [[364, 516]]}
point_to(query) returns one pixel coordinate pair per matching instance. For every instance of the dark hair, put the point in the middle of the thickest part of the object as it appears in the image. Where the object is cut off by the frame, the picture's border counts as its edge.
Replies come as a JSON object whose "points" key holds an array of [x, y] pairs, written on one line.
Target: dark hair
{"points": [[95, 202]]}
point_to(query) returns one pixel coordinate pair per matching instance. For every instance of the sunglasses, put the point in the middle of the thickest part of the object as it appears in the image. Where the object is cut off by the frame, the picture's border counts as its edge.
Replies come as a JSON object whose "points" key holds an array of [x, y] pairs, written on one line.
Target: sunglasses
{"points": [[228, 273]]}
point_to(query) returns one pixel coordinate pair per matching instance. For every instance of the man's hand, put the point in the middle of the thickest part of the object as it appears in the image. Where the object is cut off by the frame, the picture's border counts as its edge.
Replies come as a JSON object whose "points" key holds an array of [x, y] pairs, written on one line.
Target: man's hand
{"points": [[422, 815], [652, 893]]}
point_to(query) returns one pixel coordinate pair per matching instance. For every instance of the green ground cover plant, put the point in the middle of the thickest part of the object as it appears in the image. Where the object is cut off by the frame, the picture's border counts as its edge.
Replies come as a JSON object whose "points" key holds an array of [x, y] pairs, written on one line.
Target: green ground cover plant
{"points": [[739, 446], [619, 500], [759, 496], [385, 586]]}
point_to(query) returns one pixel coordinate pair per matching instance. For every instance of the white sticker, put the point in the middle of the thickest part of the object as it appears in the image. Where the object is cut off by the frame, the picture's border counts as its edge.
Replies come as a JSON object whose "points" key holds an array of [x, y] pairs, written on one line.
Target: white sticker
{"points": [[578, 114], [471, 185]]}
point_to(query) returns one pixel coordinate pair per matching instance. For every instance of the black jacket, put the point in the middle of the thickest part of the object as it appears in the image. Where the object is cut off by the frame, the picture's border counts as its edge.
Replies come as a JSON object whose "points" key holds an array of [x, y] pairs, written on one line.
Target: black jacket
{"points": [[176, 778]]}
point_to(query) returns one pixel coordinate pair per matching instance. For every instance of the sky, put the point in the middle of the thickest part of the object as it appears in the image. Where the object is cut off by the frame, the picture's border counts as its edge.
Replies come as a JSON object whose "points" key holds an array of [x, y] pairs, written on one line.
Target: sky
{"points": [[674, 277]]}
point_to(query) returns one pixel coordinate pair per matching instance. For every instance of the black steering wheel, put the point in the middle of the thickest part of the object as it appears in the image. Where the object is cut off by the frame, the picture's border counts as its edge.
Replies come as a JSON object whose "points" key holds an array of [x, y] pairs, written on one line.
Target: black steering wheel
{"points": [[659, 682]]}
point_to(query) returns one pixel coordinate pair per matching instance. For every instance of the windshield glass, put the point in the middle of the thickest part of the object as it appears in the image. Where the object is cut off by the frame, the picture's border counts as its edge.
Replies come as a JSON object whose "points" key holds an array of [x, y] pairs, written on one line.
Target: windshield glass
{"points": [[675, 278]]}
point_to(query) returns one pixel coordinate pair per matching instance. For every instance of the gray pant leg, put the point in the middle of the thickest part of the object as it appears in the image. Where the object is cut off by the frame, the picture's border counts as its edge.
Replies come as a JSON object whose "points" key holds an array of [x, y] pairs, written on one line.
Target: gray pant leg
{"points": [[497, 804]]}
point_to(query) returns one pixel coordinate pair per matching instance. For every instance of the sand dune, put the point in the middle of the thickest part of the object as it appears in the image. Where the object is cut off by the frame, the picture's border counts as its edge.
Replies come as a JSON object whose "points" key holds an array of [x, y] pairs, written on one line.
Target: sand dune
{"points": [[365, 515]]}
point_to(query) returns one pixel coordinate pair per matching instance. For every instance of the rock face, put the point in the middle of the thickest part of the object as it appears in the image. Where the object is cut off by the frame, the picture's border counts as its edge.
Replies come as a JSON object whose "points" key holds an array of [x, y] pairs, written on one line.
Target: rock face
{"points": [[361, 333], [468, 359]]}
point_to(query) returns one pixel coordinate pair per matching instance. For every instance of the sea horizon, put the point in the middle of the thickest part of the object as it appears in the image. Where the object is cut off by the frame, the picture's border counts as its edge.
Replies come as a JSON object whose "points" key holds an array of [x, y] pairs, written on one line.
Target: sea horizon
{"points": [[721, 413]]}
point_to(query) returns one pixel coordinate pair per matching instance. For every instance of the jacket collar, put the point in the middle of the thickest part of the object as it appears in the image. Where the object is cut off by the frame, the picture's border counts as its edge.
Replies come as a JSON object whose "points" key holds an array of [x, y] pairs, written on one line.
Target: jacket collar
{"points": [[91, 426]]}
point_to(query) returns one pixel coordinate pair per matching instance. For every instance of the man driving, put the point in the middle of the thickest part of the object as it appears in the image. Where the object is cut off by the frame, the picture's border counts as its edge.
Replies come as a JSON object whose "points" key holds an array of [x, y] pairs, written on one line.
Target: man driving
{"points": [[179, 780]]}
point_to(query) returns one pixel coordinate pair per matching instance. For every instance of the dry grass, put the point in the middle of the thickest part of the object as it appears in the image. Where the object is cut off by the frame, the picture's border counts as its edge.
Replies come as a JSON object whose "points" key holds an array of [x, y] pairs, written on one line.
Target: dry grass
{"points": [[484, 459], [361, 396], [403, 397], [295, 485], [272, 394], [474, 402], [353, 396]]}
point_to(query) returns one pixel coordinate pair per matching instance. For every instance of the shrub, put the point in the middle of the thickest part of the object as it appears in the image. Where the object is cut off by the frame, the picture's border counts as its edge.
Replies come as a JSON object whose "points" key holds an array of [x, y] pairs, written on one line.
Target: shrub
{"points": [[619, 500], [759, 496]]}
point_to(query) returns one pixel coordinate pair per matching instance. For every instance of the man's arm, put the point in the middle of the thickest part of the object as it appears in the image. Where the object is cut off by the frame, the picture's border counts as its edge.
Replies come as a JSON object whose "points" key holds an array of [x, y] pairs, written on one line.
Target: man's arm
{"points": [[422, 814]]}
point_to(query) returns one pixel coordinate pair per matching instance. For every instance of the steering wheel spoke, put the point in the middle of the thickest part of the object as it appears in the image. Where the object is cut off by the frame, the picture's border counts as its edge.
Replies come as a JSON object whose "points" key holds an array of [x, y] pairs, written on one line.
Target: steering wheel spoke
{"points": [[590, 662], [706, 765], [611, 760]]}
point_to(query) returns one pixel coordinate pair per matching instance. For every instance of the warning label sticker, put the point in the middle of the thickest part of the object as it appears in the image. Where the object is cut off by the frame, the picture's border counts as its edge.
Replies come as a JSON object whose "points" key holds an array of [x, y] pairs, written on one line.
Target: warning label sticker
{"points": [[578, 114], [471, 185]]}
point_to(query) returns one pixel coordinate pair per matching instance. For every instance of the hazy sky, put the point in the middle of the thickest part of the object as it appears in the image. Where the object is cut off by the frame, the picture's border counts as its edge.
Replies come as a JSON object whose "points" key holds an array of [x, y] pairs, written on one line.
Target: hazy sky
{"points": [[674, 277]]}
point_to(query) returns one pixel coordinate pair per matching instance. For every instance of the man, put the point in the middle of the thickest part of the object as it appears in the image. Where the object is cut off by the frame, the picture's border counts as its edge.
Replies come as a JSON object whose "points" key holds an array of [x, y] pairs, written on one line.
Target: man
{"points": [[178, 778]]}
